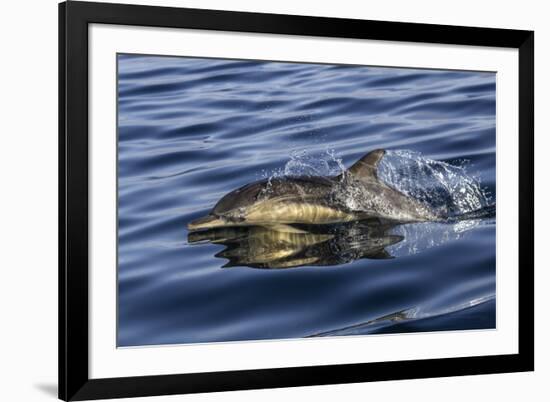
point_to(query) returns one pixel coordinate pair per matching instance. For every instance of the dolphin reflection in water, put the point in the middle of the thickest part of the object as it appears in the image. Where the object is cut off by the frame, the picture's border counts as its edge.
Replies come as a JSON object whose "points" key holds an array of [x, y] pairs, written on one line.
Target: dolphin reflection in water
{"points": [[278, 247]]}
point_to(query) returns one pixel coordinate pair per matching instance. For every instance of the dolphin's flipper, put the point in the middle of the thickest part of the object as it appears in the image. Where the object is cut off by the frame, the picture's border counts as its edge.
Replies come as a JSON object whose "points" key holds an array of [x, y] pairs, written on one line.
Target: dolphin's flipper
{"points": [[380, 255], [365, 168]]}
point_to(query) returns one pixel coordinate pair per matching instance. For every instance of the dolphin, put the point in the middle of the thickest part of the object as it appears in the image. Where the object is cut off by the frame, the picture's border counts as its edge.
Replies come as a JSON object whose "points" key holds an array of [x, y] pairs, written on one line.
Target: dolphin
{"points": [[356, 194]]}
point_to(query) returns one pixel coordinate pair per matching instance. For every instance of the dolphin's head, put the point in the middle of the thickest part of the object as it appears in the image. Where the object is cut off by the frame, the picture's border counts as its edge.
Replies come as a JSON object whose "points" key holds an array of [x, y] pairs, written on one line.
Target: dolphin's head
{"points": [[231, 209]]}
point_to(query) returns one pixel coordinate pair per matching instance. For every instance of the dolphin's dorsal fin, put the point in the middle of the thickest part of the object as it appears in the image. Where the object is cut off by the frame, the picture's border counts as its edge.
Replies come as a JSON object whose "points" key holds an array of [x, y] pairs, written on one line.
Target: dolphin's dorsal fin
{"points": [[365, 168]]}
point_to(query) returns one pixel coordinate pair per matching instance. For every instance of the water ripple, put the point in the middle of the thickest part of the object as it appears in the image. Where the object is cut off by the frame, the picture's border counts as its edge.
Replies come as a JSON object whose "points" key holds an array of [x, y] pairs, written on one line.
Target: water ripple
{"points": [[190, 130]]}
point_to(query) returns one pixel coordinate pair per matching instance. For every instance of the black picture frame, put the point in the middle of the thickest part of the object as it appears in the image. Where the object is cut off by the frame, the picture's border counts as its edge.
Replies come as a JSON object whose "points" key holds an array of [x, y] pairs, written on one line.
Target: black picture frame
{"points": [[74, 381]]}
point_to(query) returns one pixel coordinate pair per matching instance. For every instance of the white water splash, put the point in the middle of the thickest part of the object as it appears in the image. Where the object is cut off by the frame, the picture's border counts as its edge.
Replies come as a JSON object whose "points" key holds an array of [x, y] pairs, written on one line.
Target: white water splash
{"points": [[303, 163], [448, 189], [419, 237]]}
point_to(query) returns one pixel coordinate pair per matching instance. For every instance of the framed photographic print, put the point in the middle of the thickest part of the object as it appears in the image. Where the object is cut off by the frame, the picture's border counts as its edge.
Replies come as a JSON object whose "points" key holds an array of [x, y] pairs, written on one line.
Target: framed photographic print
{"points": [[257, 200]]}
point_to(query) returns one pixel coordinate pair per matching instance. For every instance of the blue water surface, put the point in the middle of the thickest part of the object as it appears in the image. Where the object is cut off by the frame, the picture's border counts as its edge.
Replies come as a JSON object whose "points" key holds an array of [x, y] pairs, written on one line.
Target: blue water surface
{"points": [[192, 129]]}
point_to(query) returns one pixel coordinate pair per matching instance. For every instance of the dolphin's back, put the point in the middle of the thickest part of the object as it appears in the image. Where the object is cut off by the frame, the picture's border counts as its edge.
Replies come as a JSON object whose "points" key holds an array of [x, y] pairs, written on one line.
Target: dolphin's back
{"points": [[288, 188]]}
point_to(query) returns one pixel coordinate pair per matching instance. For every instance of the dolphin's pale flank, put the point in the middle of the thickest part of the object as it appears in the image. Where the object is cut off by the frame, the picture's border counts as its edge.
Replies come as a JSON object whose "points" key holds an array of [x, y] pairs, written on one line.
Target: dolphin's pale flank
{"points": [[355, 195]]}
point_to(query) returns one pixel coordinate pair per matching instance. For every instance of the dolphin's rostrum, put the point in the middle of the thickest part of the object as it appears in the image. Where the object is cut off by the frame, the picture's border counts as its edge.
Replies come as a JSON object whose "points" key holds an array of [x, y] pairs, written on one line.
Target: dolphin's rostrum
{"points": [[356, 194]]}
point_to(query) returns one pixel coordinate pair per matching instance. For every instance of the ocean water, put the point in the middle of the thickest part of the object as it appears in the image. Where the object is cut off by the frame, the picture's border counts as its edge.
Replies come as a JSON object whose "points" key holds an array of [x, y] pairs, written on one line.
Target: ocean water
{"points": [[190, 130]]}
